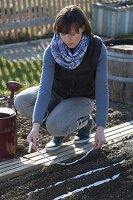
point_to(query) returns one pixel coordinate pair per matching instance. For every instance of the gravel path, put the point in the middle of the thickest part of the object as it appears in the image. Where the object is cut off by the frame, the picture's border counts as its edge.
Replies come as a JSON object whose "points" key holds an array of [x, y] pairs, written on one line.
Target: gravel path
{"points": [[24, 50]]}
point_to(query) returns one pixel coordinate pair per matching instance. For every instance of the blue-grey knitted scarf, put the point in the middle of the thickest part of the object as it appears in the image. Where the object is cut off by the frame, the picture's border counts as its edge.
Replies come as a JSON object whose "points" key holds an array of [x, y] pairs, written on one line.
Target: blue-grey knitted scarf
{"points": [[63, 55]]}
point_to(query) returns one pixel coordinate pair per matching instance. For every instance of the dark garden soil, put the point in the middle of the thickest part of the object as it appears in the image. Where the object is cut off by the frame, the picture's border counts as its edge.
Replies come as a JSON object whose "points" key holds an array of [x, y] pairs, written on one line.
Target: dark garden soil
{"points": [[105, 174]]}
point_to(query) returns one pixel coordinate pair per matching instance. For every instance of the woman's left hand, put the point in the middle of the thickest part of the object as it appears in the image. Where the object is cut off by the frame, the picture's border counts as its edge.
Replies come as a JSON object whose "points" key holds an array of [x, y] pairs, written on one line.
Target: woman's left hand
{"points": [[99, 138]]}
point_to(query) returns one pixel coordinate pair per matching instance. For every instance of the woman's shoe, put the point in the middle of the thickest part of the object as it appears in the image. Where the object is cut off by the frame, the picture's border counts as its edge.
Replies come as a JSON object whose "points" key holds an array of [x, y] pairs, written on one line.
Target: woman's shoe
{"points": [[55, 143], [84, 133]]}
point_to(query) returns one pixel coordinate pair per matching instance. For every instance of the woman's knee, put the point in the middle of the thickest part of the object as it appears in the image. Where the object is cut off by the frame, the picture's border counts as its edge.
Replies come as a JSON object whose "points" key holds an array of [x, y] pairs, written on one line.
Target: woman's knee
{"points": [[24, 102], [26, 97], [22, 105], [19, 101]]}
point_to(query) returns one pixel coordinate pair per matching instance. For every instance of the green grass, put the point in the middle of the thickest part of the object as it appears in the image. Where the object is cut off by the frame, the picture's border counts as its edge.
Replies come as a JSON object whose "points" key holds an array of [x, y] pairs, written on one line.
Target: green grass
{"points": [[25, 72]]}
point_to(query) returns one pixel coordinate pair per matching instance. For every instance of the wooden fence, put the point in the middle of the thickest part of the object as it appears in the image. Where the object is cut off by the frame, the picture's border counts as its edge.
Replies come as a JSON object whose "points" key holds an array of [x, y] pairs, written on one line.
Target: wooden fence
{"points": [[35, 17]]}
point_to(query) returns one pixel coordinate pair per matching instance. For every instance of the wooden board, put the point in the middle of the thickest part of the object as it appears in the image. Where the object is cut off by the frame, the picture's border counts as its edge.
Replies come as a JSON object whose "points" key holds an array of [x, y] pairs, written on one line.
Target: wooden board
{"points": [[17, 166]]}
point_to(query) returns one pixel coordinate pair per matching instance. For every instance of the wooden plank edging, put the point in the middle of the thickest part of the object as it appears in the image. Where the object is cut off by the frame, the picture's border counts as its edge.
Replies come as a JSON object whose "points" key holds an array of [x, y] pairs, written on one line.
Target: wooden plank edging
{"points": [[15, 167]]}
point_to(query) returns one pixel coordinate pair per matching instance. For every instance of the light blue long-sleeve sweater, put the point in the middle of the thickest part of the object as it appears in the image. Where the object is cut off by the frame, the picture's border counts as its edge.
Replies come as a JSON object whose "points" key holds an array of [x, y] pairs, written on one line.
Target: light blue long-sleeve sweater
{"points": [[46, 82]]}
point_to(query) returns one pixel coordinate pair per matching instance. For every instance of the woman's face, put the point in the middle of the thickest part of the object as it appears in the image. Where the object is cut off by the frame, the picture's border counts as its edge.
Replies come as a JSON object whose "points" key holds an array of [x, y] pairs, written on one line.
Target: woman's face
{"points": [[73, 38]]}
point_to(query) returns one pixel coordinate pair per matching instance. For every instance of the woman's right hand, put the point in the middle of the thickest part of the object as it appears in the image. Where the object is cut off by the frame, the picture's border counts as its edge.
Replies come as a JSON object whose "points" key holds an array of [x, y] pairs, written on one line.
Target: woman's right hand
{"points": [[32, 137]]}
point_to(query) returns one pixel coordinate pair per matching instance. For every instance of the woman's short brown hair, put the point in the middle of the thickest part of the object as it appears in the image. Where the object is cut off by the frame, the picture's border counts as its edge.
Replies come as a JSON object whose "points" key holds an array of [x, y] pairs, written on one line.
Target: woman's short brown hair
{"points": [[72, 16]]}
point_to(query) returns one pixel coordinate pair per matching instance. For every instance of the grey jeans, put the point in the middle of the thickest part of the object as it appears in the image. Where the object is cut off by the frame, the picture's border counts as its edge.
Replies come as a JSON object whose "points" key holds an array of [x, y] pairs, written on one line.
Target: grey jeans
{"points": [[64, 114]]}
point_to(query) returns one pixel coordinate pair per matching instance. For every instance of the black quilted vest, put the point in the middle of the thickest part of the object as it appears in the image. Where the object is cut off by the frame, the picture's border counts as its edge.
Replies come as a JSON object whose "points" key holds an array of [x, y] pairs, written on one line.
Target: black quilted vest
{"points": [[79, 82]]}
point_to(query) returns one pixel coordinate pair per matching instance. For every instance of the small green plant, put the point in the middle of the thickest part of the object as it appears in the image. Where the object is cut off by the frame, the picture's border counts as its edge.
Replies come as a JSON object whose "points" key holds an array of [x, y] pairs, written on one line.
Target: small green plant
{"points": [[25, 72]]}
